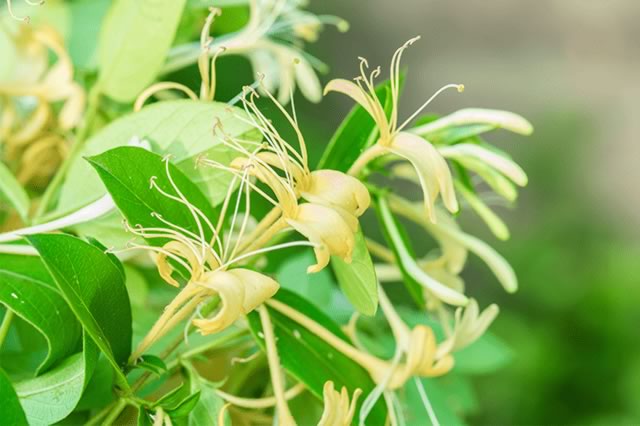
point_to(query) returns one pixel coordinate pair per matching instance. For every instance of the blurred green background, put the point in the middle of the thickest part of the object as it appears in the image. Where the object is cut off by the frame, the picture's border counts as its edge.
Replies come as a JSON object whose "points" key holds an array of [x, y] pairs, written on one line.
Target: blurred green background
{"points": [[569, 66]]}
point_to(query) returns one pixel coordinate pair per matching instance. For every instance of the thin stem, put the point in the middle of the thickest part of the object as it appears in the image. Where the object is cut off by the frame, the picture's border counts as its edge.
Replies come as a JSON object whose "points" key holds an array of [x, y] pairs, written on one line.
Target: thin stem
{"points": [[100, 415], [115, 412], [6, 325], [284, 415], [426, 402]]}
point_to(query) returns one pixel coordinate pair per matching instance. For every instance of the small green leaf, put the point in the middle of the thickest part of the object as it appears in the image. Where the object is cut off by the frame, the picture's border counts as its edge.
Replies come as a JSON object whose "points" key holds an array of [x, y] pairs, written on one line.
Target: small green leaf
{"points": [[14, 193], [152, 363], [94, 289], [129, 187], [134, 42], [51, 397], [185, 406], [310, 359], [12, 413], [27, 289], [358, 279], [209, 404]]}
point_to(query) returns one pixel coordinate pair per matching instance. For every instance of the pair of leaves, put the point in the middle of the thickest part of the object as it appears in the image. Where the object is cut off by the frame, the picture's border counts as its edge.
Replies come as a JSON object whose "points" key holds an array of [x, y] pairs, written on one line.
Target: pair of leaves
{"points": [[310, 359], [182, 129], [92, 284]]}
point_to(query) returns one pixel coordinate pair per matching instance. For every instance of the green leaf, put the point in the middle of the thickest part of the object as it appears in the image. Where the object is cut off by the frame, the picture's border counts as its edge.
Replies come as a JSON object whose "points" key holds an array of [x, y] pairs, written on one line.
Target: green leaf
{"points": [[358, 279], [12, 413], [209, 403], [134, 42], [152, 363], [51, 397], [185, 406], [357, 132], [14, 193], [181, 128], [310, 359], [415, 411], [292, 275], [131, 192], [94, 289], [27, 289]]}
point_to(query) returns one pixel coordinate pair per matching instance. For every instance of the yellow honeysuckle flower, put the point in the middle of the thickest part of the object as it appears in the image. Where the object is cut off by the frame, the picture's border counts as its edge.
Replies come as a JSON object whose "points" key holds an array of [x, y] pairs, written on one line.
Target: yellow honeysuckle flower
{"points": [[329, 218], [469, 325], [431, 168], [208, 263], [32, 133], [338, 410]]}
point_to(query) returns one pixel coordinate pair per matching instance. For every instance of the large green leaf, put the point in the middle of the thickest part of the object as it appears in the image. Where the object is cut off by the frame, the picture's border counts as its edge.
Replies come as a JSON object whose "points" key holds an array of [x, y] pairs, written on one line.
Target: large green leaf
{"points": [[310, 359], [94, 289], [51, 397], [357, 132], [27, 289], [13, 192], [10, 408], [358, 279], [209, 404], [134, 42], [181, 128], [131, 192]]}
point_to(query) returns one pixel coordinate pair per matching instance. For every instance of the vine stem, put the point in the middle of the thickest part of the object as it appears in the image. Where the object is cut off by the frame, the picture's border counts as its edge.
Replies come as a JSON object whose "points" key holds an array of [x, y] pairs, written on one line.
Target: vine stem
{"points": [[6, 324], [364, 158], [81, 138]]}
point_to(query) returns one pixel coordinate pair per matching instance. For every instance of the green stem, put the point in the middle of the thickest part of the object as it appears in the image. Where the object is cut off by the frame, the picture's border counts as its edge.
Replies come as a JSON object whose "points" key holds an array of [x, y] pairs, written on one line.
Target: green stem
{"points": [[100, 415], [76, 149], [6, 324], [115, 412]]}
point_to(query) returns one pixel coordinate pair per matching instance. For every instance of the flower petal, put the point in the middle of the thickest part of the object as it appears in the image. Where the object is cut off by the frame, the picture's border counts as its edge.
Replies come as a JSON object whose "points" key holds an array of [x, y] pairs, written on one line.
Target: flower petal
{"points": [[498, 118], [495, 224], [336, 189], [326, 228], [503, 164], [432, 170], [308, 81], [350, 89]]}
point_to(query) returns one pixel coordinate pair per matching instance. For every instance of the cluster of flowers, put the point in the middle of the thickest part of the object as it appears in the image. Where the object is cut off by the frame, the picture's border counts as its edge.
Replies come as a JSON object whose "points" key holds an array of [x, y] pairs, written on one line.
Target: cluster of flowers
{"points": [[324, 206]]}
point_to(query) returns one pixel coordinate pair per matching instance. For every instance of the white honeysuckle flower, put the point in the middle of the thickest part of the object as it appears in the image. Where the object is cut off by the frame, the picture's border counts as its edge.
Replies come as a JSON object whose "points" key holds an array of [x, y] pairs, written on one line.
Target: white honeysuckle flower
{"points": [[469, 325], [272, 40], [432, 170], [25, 19], [446, 231], [497, 119], [463, 152], [335, 200]]}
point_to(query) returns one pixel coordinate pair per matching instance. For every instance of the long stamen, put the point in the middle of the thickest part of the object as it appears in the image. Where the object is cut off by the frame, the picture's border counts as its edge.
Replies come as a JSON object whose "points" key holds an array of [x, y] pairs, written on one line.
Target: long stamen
{"points": [[266, 250], [394, 79], [243, 227], [459, 87], [235, 212]]}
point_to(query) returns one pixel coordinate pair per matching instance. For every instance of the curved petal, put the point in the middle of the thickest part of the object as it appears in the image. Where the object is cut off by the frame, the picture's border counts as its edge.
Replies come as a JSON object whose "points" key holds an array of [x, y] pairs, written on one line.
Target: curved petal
{"points": [[503, 164], [493, 117], [495, 224], [308, 81], [352, 90], [327, 228], [258, 288], [336, 189], [232, 293], [432, 170]]}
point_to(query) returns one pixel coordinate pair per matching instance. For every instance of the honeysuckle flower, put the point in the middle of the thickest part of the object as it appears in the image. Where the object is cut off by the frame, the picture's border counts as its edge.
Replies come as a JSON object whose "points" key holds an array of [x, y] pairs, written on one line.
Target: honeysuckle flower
{"points": [[447, 232], [32, 133], [469, 325], [272, 40], [338, 410], [335, 200], [211, 264], [432, 170], [491, 118]]}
